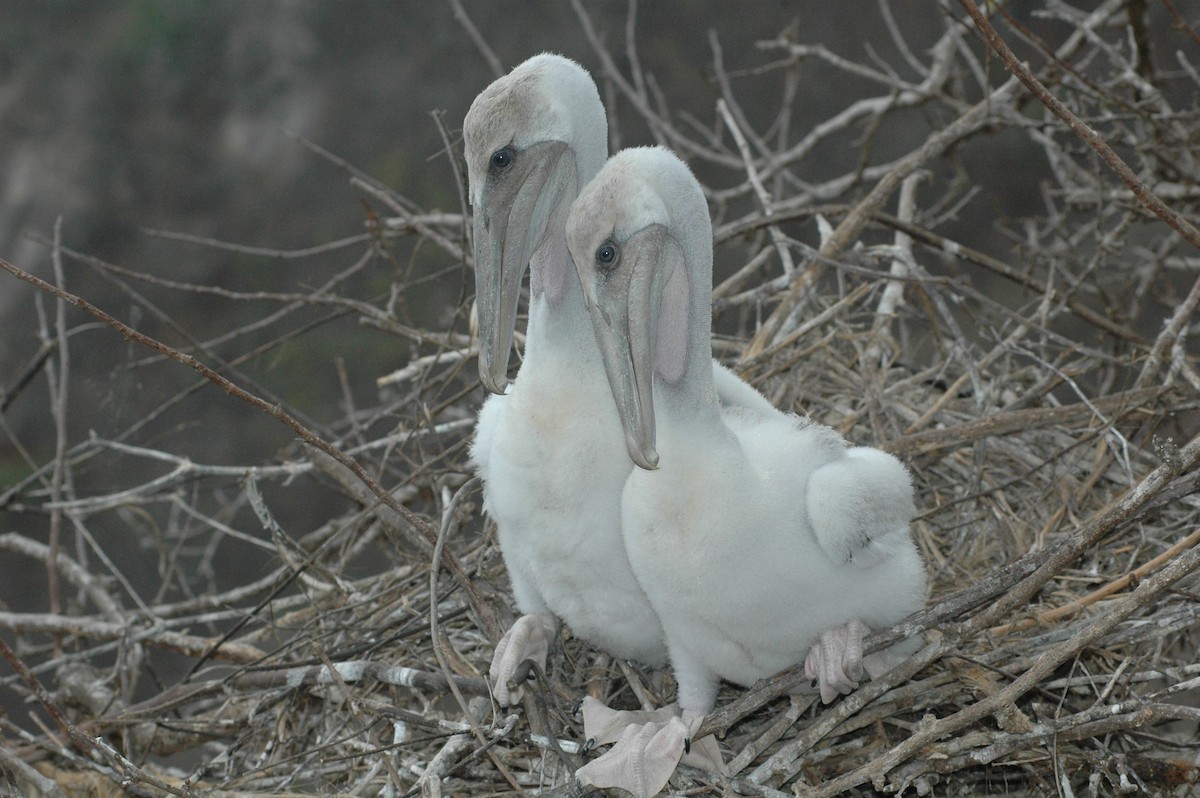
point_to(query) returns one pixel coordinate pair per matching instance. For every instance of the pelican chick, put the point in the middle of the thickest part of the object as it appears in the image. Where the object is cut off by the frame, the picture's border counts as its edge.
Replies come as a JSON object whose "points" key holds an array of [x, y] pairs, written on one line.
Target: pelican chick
{"points": [[550, 450], [761, 539]]}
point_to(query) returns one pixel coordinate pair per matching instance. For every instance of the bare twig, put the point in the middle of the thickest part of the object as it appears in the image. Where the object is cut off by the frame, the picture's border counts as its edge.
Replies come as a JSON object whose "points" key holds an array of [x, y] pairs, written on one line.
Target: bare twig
{"points": [[480, 43], [356, 671], [777, 238], [1114, 162], [893, 292], [188, 645], [484, 613], [1011, 421], [857, 219], [74, 572], [131, 772], [59, 395]]}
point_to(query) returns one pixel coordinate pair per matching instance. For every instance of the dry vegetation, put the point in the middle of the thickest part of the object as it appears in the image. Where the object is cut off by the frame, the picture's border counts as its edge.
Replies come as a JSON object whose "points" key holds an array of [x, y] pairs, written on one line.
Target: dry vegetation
{"points": [[1043, 396]]}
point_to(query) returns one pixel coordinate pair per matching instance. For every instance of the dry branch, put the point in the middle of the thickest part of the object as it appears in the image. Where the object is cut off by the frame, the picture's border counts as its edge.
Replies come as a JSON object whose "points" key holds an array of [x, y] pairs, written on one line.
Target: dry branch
{"points": [[188, 645], [1140, 190], [845, 233], [483, 612], [129, 772]]}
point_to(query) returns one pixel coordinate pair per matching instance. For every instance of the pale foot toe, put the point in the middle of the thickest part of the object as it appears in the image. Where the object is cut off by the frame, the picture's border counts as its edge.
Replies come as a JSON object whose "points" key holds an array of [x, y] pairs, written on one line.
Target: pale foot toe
{"points": [[527, 639], [835, 661]]}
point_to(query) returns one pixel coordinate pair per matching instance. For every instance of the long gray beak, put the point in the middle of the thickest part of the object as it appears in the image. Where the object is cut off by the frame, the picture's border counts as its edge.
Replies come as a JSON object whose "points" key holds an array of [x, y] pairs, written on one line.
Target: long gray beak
{"points": [[510, 225], [624, 306]]}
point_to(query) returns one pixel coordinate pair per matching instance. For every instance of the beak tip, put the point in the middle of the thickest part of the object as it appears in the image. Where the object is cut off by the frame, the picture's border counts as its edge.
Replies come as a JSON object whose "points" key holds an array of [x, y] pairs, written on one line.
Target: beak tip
{"points": [[646, 459], [494, 383]]}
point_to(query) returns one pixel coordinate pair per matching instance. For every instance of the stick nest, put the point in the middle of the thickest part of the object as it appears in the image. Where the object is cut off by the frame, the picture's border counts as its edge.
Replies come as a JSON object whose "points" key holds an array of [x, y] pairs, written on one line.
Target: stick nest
{"points": [[1043, 397]]}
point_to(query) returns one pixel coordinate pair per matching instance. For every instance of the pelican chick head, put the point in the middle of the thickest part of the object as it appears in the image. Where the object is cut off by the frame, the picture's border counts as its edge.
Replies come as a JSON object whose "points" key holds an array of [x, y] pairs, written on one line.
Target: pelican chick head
{"points": [[530, 139], [627, 233]]}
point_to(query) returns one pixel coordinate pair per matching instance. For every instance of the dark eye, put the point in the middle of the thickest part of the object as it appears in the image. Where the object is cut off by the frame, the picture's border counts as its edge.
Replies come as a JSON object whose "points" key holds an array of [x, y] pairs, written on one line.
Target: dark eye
{"points": [[606, 254], [501, 160]]}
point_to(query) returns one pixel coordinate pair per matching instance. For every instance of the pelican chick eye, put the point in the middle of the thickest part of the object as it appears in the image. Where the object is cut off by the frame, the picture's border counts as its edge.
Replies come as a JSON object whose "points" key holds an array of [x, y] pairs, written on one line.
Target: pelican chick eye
{"points": [[501, 160], [606, 254]]}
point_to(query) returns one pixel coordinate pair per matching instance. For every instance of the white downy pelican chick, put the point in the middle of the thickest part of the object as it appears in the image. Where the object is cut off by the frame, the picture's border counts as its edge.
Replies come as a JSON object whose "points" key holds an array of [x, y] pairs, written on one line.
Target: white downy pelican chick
{"points": [[759, 538], [550, 451]]}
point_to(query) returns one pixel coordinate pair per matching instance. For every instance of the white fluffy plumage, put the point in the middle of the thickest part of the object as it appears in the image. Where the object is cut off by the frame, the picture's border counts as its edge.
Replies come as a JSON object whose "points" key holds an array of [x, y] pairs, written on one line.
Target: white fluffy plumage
{"points": [[550, 451], [758, 534]]}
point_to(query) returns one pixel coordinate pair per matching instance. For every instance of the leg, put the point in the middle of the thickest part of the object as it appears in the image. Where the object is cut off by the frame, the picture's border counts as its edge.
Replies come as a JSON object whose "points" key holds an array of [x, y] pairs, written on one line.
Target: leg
{"points": [[528, 638], [697, 692], [697, 695]]}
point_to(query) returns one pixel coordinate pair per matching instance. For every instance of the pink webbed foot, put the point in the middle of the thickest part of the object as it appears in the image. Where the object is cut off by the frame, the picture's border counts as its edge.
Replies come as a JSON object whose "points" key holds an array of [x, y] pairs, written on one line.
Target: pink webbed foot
{"points": [[603, 725], [528, 638], [649, 745], [835, 661], [642, 761]]}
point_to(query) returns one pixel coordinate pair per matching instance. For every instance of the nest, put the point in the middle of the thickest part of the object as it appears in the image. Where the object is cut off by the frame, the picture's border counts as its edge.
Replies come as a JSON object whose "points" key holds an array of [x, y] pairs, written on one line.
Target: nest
{"points": [[1045, 404]]}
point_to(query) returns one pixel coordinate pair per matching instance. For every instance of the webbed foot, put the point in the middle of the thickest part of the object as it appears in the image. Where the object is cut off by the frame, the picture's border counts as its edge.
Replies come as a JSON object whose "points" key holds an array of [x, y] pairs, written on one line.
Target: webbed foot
{"points": [[642, 761], [649, 745], [603, 725]]}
